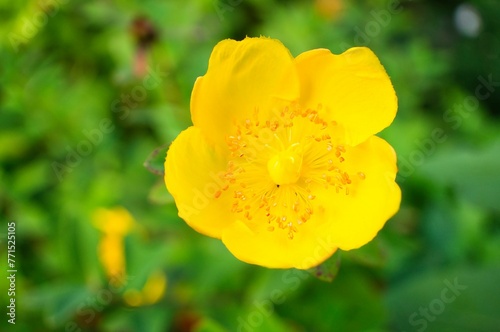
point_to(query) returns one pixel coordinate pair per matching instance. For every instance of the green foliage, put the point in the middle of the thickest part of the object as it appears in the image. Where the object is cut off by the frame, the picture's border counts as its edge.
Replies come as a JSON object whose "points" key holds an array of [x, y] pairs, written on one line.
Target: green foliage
{"points": [[328, 270]]}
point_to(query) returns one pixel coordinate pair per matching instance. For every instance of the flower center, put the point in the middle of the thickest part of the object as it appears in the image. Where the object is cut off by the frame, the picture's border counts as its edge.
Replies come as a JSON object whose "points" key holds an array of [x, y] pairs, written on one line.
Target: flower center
{"points": [[285, 166], [277, 164]]}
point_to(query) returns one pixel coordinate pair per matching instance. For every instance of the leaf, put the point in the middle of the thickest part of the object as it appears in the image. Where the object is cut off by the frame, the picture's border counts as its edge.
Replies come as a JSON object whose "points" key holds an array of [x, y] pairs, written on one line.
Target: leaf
{"points": [[371, 254], [328, 270], [450, 299], [159, 194], [61, 303], [154, 162], [474, 175]]}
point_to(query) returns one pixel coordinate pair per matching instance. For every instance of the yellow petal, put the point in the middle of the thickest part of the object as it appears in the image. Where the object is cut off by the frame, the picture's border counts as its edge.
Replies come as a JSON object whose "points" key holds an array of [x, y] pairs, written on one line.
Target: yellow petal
{"points": [[112, 255], [242, 76], [353, 89], [113, 221], [192, 170], [154, 288], [373, 196], [255, 244]]}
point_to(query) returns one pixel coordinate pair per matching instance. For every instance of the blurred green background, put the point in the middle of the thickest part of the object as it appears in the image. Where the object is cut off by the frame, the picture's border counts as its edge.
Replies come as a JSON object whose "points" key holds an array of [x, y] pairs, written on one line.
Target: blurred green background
{"points": [[89, 89]]}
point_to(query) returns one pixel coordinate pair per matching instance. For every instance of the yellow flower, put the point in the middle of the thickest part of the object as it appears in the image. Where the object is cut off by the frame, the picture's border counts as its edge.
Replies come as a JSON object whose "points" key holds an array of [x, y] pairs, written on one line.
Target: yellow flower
{"points": [[151, 293], [114, 224], [117, 221], [281, 162]]}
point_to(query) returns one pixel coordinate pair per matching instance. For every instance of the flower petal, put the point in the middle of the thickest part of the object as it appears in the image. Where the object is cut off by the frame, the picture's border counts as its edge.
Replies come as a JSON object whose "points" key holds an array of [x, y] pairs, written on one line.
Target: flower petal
{"points": [[192, 170], [373, 197], [353, 89], [241, 77], [255, 244]]}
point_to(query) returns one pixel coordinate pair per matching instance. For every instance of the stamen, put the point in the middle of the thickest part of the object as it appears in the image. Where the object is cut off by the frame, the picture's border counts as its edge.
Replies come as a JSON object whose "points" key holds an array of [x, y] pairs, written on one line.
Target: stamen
{"points": [[281, 190]]}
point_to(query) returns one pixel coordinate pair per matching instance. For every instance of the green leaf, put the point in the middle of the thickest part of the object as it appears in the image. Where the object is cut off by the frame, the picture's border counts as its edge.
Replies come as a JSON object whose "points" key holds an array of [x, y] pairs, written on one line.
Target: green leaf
{"points": [[159, 194], [459, 299], [474, 175], [61, 303], [328, 270], [154, 162], [371, 254]]}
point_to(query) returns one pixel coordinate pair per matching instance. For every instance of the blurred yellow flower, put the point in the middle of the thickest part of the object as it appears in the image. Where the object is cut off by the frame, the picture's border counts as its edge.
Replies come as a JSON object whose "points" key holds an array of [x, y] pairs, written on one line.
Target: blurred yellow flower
{"points": [[281, 162], [111, 255], [114, 224], [116, 221], [151, 293]]}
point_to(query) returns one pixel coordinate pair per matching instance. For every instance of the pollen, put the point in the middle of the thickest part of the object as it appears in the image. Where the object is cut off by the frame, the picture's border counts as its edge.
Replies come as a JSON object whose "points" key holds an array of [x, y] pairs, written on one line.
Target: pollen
{"points": [[278, 162]]}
